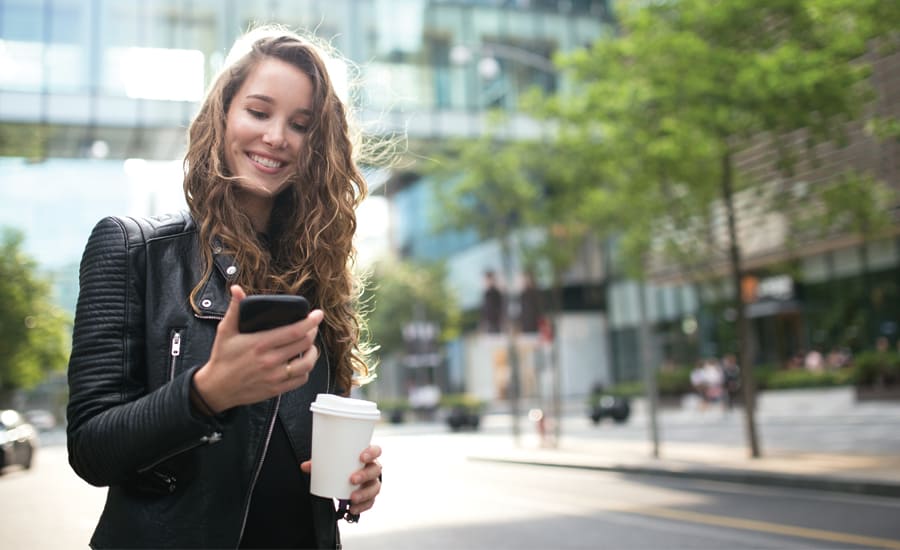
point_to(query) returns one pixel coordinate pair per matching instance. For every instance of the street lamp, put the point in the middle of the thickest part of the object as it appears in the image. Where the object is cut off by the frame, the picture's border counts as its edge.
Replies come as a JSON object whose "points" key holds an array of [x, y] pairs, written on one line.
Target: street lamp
{"points": [[487, 58], [489, 52]]}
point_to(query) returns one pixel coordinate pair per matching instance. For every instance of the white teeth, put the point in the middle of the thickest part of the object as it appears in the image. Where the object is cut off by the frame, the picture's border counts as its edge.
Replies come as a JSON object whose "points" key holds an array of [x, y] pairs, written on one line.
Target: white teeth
{"points": [[268, 163]]}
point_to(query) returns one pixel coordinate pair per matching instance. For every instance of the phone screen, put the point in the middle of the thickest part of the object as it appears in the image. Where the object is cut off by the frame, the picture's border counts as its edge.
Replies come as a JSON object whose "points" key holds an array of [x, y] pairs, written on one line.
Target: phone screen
{"points": [[268, 311]]}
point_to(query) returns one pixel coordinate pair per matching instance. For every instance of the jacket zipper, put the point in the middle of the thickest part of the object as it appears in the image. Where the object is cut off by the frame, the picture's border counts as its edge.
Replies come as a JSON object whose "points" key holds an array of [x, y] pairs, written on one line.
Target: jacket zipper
{"points": [[174, 353], [206, 439], [266, 448], [259, 465]]}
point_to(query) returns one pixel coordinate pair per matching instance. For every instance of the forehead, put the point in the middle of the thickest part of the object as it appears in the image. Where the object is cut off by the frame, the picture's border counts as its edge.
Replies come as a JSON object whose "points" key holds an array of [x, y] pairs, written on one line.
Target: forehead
{"points": [[286, 85]]}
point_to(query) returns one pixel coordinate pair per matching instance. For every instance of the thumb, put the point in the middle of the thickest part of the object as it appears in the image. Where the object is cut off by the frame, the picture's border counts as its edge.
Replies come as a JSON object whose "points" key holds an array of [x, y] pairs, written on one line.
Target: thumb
{"points": [[230, 321]]}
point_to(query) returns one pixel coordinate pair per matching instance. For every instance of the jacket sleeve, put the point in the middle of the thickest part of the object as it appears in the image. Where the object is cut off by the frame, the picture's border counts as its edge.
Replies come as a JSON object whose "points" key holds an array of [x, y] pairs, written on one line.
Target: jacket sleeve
{"points": [[117, 428]]}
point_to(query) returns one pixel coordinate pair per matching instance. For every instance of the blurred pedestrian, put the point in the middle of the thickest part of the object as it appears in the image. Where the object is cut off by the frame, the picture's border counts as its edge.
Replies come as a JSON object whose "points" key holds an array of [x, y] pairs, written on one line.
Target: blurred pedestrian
{"points": [[707, 380], [531, 306], [731, 374], [202, 433], [491, 304], [813, 361], [698, 382]]}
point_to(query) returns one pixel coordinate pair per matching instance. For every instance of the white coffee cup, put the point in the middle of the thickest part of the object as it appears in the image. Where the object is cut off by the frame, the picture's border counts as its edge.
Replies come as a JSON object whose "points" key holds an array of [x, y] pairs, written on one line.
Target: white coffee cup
{"points": [[342, 429]]}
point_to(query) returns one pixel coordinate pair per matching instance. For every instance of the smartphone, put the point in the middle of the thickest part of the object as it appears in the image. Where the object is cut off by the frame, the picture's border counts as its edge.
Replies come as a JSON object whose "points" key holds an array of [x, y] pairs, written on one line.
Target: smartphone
{"points": [[268, 311]]}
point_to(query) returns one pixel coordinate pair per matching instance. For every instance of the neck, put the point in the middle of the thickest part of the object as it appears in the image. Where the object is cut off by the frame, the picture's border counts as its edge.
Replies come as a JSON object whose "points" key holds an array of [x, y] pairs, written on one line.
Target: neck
{"points": [[259, 210]]}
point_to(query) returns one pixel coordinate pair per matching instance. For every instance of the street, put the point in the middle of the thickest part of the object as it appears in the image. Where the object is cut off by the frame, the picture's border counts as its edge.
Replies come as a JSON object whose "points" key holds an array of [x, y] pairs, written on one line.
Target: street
{"points": [[435, 497]]}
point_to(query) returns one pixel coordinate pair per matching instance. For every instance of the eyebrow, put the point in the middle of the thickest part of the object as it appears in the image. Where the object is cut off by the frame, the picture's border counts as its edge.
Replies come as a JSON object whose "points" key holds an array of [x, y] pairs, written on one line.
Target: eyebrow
{"points": [[268, 99]]}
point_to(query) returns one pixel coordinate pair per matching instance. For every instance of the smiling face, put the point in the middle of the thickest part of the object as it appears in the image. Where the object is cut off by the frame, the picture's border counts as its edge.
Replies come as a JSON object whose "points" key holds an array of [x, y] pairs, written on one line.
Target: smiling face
{"points": [[265, 133]]}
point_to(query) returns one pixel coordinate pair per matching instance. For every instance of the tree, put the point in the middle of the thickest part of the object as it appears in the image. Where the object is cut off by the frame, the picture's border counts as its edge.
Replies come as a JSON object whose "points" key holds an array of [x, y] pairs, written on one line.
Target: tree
{"points": [[24, 140], [481, 186], [667, 104], [397, 292], [525, 195], [34, 333]]}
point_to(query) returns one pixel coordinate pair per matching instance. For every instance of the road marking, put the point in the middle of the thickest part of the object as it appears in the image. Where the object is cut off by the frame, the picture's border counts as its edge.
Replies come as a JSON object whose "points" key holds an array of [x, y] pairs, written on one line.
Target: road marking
{"points": [[752, 525]]}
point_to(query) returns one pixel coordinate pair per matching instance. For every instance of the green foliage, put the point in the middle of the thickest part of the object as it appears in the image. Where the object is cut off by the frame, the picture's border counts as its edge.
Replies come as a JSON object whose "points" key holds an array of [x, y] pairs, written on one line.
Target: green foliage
{"points": [[877, 368], [392, 405], [802, 378], [762, 374], [23, 140], [851, 203], [465, 401], [482, 185], [526, 194], [664, 105], [675, 381], [34, 333], [400, 292]]}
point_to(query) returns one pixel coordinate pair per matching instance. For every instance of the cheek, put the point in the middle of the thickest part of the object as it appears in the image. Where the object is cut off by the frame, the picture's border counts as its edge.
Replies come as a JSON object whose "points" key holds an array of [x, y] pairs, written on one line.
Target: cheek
{"points": [[235, 131]]}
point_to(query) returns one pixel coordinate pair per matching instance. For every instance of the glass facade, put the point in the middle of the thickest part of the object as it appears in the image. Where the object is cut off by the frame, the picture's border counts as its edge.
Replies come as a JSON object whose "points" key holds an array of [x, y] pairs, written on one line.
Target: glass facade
{"points": [[841, 299], [103, 90], [426, 68]]}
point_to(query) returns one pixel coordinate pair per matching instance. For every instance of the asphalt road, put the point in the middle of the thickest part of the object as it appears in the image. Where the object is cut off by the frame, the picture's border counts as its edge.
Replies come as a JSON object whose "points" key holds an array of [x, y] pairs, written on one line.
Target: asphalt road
{"points": [[435, 498]]}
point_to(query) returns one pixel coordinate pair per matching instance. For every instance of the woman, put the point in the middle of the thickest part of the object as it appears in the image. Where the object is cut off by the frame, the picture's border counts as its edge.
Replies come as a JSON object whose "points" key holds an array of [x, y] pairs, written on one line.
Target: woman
{"points": [[198, 430]]}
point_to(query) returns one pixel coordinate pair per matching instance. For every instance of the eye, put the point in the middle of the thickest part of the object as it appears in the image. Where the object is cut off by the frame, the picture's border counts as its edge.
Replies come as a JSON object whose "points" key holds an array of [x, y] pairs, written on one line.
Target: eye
{"points": [[297, 127], [257, 114]]}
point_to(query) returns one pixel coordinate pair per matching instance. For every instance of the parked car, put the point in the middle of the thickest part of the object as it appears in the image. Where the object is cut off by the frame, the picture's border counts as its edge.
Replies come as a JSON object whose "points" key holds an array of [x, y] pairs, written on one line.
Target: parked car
{"points": [[18, 440], [462, 411], [610, 406], [605, 405]]}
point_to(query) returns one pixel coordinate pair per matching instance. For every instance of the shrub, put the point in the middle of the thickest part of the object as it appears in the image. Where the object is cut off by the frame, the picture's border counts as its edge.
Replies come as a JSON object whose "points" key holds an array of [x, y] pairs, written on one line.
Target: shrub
{"points": [[461, 400], [762, 374], [627, 389], [393, 405], [674, 382], [877, 368], [801, 378]]}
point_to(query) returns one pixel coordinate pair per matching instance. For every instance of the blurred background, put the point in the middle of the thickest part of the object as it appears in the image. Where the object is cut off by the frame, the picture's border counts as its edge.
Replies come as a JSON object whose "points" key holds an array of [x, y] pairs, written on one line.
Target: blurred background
{"points": [[501, 265]]}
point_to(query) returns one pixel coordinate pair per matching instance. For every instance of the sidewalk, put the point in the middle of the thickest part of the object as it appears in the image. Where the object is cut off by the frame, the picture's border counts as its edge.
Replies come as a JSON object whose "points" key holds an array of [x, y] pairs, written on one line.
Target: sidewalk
{"points": [[807, 460]]}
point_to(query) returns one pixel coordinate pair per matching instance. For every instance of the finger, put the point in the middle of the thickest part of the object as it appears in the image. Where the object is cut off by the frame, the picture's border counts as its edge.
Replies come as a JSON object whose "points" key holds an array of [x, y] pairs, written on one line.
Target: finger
{"points": [[371, 453], [363, 498], [358, 507], [295, 348], [306, 466], [369, 473], [291, 334], [230, 320], [297, 370]]}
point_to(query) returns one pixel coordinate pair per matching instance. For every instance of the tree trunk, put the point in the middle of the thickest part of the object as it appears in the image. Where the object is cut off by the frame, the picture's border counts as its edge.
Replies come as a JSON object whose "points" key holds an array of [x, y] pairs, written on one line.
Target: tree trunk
{"points": [[556, 405], [512, 354], [648, 368], [743, 336]]}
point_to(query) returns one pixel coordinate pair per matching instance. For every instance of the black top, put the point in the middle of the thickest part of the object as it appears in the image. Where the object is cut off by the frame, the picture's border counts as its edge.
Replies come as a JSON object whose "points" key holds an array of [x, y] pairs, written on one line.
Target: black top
{"points": [[280, 513]]}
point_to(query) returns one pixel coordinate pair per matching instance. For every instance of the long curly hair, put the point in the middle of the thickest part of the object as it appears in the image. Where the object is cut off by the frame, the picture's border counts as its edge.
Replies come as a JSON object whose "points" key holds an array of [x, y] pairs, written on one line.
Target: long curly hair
{"points": [[310, 239]]}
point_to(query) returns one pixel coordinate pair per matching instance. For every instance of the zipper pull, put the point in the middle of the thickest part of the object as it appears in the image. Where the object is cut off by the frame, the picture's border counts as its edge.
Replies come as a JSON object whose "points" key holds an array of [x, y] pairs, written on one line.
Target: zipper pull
{"points": [[176, 344], [215, 437]]}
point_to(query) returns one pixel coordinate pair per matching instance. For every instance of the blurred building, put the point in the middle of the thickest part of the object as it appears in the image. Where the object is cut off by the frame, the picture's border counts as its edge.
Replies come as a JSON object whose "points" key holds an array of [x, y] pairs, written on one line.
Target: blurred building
{"points": [[96, 96], [803, 293]]}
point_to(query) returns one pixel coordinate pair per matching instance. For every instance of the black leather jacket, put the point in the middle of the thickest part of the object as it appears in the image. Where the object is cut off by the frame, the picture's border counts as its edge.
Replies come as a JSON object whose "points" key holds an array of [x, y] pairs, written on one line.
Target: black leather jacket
{"points": [[176, 479]]}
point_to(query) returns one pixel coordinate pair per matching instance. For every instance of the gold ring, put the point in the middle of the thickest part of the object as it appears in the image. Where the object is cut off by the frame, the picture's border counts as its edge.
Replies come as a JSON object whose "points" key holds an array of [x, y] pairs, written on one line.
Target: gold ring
{"points": [[287, 370]]}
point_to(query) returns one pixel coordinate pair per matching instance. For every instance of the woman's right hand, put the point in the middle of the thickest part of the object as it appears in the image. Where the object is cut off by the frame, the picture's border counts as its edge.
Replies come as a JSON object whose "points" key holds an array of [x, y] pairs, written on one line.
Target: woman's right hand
{"points": [[248, 368]]}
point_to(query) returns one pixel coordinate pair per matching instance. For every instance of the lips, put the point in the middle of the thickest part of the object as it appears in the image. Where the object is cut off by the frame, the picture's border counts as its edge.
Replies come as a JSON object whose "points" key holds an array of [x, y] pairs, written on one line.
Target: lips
{"points": [[265, 162]]}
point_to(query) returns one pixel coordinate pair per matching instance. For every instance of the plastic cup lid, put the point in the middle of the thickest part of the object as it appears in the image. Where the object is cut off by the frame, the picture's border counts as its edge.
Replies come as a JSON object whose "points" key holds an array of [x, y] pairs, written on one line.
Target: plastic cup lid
{"points": [[327, 403]]}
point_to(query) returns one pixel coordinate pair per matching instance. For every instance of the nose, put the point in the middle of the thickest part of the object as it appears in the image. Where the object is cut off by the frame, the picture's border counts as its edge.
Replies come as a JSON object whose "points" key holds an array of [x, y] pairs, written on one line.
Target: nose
{"points": [[274, 136]]}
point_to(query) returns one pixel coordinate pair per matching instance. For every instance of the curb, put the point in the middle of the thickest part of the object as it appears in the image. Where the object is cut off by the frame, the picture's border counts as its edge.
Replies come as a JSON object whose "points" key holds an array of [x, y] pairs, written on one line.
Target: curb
{"points": [[771, 479]]}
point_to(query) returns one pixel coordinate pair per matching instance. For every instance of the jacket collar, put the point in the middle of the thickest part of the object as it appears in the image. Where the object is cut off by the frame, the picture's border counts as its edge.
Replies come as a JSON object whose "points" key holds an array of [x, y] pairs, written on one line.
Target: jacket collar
{"points": [[214, 297]]}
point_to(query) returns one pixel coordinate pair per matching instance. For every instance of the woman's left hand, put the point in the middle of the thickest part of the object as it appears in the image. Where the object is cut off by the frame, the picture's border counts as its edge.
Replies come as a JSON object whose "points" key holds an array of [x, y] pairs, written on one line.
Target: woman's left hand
{"points": [[367, 478]]}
